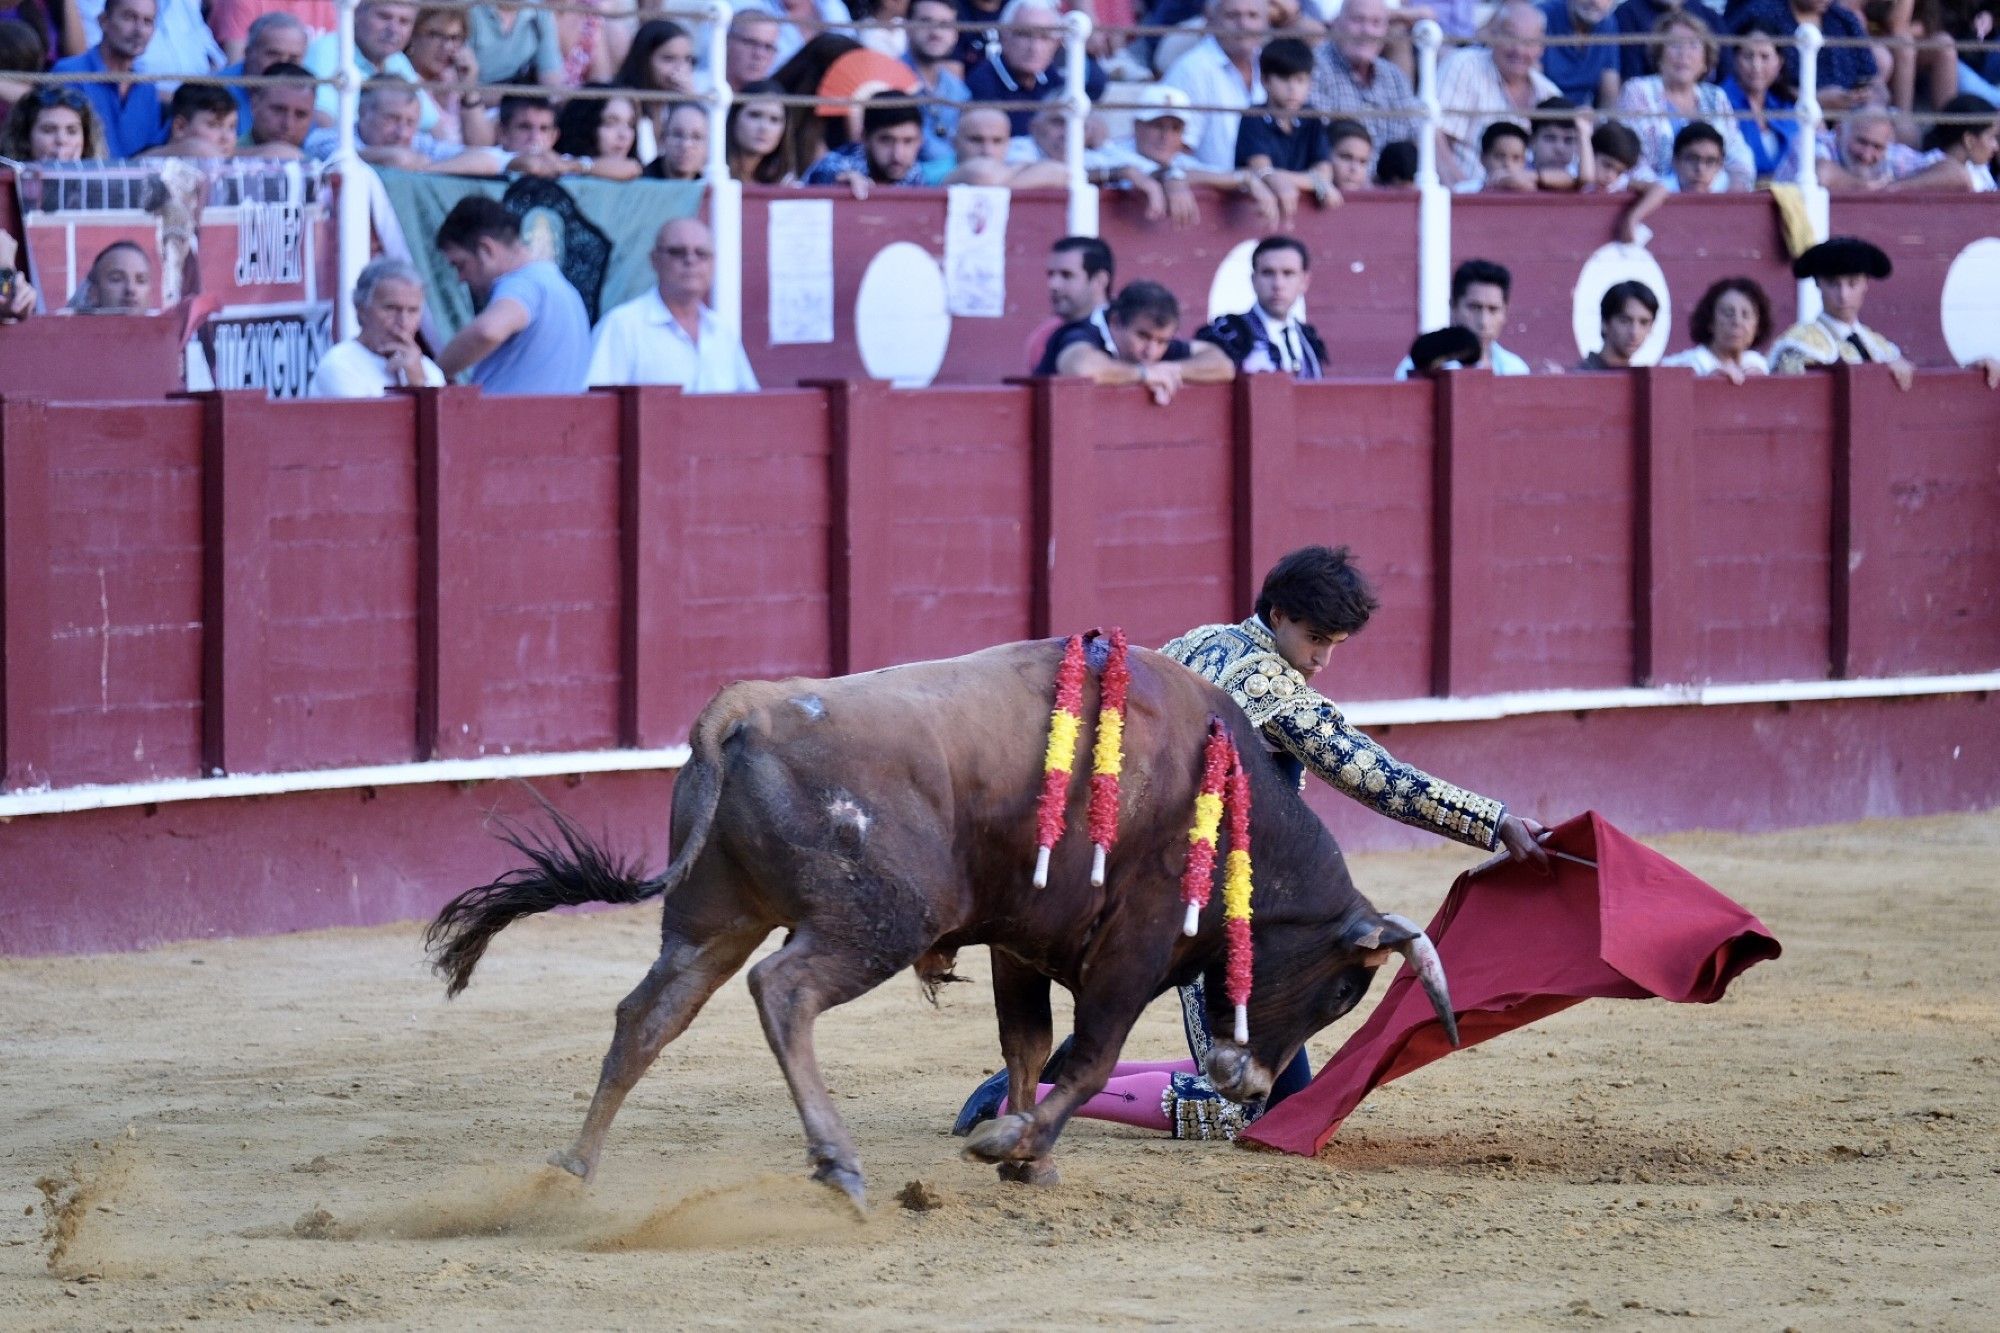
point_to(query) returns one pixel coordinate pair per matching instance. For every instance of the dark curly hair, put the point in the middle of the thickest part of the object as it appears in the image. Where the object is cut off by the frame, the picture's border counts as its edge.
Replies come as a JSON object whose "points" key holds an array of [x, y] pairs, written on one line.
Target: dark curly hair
{"points": [[1701, 324], [1320, 586]]}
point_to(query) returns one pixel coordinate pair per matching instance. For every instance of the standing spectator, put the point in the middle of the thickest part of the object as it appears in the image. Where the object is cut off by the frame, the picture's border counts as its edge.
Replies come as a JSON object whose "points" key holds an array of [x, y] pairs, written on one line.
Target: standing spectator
{"points": [[1351, 151], [381, 32], [1270, 336], [1587, 73], [891, 137], [531, 334], [1958, 156], [1288, 153], [120, 282], [1659, 106], [600, 134], [1848, 75], [931, 55], [754, 136], [752, 48], [1080, 271], [1763, 104], [1136, 345], [1730, 322], [383, 354], [1221, 70], [129, 112], [441, 52], [1025, 67], [1481, 84], [683, 145], [1480, 290], [669, 335], [53, 124], [280, 116], [276, 38], [1641, 18], [516, 43], [1350, 76], [1625, 316]]}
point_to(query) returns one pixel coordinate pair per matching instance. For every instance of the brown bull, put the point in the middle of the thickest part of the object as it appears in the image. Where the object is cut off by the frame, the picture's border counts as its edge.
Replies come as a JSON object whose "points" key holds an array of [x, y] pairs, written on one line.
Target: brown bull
{"points": [[888, 819]]}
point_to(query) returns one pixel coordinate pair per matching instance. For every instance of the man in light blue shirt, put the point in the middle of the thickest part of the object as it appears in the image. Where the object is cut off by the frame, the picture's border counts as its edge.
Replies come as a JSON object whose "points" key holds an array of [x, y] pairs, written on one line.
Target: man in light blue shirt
{"points": [[1480, 290], [531, 334]]}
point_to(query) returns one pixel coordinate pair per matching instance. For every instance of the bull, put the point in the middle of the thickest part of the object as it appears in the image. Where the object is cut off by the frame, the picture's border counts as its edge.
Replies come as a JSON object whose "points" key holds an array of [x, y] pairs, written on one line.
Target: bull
{"points": [[887, 820]]}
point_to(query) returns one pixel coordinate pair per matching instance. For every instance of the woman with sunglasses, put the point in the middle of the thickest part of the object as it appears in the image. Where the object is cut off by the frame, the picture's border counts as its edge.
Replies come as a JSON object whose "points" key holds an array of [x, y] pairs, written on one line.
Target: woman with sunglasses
{"points": [[53, 124], [441, 52]]}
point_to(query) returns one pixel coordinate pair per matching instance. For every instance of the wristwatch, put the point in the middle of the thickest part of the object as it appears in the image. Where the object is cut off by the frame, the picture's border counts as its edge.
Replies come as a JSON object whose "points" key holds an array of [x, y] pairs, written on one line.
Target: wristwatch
{"points": [[1172, 173]]}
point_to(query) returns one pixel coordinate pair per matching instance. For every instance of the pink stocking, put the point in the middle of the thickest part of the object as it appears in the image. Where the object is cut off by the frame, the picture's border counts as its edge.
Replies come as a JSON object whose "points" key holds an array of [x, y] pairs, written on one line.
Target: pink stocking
{"points": [[1132, 1095]]}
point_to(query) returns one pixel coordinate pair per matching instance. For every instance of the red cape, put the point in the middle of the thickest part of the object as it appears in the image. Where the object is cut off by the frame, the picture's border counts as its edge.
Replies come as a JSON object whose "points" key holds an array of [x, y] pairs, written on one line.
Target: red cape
{"points": [[1517, 947]]}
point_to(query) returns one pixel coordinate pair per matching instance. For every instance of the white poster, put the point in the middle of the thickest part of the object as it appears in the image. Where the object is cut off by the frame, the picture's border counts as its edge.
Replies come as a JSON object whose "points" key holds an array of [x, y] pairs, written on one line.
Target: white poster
{"points": [[975, 250], [799, 242]]}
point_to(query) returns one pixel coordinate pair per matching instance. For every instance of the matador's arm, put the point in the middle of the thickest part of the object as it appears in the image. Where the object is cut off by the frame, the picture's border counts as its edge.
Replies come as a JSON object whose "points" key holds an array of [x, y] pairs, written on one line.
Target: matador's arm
{"points": [[1313, 731]]}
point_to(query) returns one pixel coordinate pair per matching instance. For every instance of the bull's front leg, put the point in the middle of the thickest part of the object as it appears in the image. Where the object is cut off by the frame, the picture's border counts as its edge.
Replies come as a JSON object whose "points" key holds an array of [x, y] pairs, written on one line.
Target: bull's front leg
{"points": [[1021, 1001], [1104, 1018]]}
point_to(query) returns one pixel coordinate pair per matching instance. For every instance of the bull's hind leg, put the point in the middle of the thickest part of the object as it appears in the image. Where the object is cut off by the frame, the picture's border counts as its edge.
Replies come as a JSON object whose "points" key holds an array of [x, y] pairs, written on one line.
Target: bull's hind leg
{"points": [[793, 987], [659, 1009]]}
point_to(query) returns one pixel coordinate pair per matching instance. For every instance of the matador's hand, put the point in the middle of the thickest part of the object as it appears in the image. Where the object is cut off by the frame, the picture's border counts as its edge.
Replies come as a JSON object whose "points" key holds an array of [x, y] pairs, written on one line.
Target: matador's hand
{"points": [[1523, 840]]}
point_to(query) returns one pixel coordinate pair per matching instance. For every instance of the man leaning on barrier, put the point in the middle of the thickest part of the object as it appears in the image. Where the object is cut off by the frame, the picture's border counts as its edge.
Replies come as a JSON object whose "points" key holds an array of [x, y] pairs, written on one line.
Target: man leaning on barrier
{"points": [[1135, 344]]}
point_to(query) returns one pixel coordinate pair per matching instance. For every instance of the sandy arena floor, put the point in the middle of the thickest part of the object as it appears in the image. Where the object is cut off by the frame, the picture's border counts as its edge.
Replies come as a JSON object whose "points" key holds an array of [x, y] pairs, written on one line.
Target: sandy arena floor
{"points": [[298, 1131]]}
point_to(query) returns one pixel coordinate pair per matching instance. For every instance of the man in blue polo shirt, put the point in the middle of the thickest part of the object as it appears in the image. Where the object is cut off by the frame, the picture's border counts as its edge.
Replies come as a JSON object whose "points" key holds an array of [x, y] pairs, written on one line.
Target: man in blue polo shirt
{"points": [[130, 111], [1587, 75], [1027, 65]]}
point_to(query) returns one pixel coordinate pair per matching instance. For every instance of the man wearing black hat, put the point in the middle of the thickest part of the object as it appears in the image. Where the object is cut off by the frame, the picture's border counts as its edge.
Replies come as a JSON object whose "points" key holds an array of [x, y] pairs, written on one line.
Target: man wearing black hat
{"points": [[1843, 268]]}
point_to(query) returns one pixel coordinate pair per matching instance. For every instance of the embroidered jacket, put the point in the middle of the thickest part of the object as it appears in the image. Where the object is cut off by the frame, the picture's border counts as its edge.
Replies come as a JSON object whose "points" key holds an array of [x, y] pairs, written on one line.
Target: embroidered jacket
{"points": [[1308, 729], [1816, 343]]}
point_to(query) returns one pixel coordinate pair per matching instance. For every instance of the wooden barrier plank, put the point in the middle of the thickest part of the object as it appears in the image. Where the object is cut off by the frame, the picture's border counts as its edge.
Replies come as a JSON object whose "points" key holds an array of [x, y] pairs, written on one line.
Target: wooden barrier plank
{"points": [[1065, 587], [1462, 635], [652, 493], [450, 656], [1265, 479], [236, 587], [25, 758], [863, 509], [1666, 604], [1861, 591]]}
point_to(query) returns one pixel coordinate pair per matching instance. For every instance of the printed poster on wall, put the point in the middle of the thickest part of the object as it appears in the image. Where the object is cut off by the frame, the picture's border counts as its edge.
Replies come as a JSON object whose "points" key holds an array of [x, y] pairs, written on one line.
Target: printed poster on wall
{"points": [[799, 246], [975, 250], [252, 242]]}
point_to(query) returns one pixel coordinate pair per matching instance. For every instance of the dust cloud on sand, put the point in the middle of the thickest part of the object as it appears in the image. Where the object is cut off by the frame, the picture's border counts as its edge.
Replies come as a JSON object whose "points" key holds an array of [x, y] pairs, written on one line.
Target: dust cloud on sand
{"points": [[299, 1131]]}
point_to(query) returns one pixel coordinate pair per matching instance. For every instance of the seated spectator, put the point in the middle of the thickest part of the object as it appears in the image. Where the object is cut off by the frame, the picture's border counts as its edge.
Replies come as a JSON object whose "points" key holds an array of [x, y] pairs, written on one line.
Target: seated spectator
{"points": [[1396, 166], [1698, 161], [1157, 149], [801, 22], [1448, 348], [1503, 161], [1625, 316], [754, 132], [1481, 84], [892, 41], [752, 48], [984, 157], [1615, 150], [1291, 155], [1080, 273], [27, 39], [1351, 153], [130, 112], [1351, 77], [1641, 18], [202, 124], [600, 135], [120, 282], [1479, 292], [18, 297], [1657, 105], [891, 137], [1135, 344], [1025, 67], [1221, 70], [516, 43], [1863, 153], [1958, 156], [1560, 156], [669, 335], [527, 145], [276, 38], [1842, 268], [1730, 322], [280, 116], [531, 334], [932, 47], [383, 354], [1912, 46], [441, 53], [1848, 77], [1270, 336], [1587, 73], [230, 21], [1763, 104], [660, 61], [386, 133], [53, 124], [382, 31], [683, 144]]}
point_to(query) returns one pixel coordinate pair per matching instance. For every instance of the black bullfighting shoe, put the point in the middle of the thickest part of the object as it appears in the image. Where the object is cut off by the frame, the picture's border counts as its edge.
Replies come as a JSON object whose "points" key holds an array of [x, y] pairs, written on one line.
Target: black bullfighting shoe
{"points": [[983, 1105]]}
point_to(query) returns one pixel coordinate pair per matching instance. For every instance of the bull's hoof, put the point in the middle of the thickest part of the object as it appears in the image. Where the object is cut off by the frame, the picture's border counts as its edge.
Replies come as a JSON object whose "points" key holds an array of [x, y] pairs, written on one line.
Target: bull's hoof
{"points": [[846, 1179], [1041, 1171], [1001, 1140], [570, 1161]]}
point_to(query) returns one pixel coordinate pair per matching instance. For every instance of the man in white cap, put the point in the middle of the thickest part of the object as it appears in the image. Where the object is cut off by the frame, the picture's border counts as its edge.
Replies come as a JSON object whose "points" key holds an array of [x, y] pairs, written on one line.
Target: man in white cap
{"points": [[1158, 147]]}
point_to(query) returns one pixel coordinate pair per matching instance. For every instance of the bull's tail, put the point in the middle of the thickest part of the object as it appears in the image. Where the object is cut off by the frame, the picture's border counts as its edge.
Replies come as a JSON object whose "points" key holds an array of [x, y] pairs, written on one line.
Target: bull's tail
{"points": [[570, 869]]}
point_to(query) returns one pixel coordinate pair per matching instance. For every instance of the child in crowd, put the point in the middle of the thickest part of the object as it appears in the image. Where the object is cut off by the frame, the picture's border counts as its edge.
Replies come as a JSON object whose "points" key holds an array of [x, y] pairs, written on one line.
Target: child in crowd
{"points": [[1289, 153]]}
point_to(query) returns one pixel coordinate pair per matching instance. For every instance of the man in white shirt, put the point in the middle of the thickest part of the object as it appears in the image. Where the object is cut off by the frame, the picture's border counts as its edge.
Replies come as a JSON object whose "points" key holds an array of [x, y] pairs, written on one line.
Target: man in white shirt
{"points": [[1480, 290], [389, 307], [669, 335], [1221, 70]]}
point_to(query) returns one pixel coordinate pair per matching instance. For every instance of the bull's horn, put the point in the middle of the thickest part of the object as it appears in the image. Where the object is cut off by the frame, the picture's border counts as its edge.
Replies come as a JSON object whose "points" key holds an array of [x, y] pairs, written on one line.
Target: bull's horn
{"points": [[1423, 956]]}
